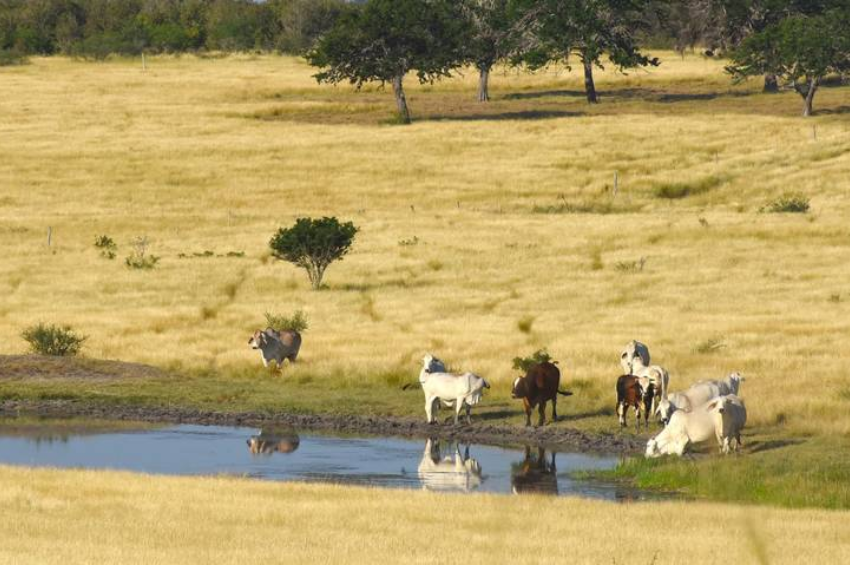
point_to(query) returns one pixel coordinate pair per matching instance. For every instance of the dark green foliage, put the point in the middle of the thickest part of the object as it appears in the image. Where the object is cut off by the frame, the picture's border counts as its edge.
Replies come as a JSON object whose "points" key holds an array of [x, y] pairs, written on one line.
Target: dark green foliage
{"points": [[313, 244], [589, 29], [106, 245], [11, 57], [788, 203], [96, 28], [45, 339], [523, 364], [296, 323], [800, 49], [384, 40]]}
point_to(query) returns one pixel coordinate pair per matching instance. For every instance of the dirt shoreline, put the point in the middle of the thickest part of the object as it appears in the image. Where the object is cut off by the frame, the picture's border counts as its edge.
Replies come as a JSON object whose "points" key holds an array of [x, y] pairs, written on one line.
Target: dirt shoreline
{"points": [[555, 437]]}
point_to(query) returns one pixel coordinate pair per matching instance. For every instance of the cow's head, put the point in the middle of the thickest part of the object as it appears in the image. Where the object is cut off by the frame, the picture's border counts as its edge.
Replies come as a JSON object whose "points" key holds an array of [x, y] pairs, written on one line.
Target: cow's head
{"points": [[520, 388], [258, 340], [735, 380], [664, 411], [719, 404], [431, 364]]}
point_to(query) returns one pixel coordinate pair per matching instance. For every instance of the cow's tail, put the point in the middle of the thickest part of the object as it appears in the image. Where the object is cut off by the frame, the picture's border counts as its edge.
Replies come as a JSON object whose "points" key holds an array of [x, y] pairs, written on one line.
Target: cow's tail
{"points": [[411, 385], [565, 392]]}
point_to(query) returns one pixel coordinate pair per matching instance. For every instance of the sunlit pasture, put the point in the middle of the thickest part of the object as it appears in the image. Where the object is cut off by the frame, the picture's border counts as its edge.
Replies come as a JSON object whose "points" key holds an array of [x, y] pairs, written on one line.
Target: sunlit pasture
{"points": [[486, 232]]}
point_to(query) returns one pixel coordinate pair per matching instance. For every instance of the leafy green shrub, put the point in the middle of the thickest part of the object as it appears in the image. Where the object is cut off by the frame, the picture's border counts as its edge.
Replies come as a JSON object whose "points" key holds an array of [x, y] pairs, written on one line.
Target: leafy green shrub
{"points": [[106, 246], [677, 190], [297, 322], [524, 324], [53, 340], [313, 245], [787, 203], [525, 363], [139, 258]]}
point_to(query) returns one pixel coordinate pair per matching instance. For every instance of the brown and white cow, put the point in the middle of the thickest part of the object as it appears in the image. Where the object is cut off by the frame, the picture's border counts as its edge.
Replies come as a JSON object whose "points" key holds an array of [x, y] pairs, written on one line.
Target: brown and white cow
{"points": [[539, 385], [634, 392]]}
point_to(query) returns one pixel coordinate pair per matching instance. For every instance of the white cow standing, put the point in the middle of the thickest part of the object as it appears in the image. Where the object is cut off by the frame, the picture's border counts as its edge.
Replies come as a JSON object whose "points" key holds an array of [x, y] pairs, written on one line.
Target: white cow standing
{"points": [[730, 416], [462, 390], [457, 473]]}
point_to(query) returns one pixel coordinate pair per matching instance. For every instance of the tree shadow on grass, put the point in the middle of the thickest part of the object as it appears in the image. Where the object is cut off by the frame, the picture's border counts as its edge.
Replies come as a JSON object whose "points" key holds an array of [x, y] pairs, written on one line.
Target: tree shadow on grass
{"points": [[499, 116]]}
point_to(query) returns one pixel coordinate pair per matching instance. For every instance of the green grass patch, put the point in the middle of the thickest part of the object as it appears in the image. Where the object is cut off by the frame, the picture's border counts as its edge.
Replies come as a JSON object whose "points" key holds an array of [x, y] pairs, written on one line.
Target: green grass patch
{"points": [[679, 190], [778, 471]]}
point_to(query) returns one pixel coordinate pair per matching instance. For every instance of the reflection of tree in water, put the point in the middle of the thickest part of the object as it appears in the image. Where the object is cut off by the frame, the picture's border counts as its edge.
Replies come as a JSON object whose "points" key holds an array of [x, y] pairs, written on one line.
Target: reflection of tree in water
{"points": [[273, 440], [535, 474]]}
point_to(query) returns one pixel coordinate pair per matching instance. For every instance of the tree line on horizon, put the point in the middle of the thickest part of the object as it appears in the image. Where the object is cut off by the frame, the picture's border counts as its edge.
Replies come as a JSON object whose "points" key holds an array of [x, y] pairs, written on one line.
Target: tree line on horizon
{"points": [[793, 43]]}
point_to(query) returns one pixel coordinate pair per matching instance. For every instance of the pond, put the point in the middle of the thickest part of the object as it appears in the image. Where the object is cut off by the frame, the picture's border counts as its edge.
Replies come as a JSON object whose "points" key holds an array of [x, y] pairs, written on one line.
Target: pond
{"points": [[286, 455]]}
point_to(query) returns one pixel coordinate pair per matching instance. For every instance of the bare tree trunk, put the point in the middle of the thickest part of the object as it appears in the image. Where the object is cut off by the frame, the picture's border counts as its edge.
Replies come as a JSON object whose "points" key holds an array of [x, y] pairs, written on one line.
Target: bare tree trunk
{"points": [[589, 86], [484, 84], [771, 84], [809, 96], [400, 99]]}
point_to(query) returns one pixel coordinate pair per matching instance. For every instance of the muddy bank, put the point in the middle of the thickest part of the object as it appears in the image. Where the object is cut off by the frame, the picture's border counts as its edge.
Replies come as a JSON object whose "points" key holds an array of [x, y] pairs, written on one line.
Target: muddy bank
{"points": [[549, 436]]}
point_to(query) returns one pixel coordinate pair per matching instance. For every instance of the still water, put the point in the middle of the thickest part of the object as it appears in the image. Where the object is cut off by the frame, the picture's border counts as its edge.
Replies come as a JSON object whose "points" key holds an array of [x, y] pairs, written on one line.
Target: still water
{"points": [[285, 455]]}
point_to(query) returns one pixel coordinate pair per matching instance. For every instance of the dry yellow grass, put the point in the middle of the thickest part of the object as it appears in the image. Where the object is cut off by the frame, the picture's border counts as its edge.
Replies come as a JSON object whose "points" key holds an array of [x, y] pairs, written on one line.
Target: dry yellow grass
{"points": [[103, 517], [178, 154]]}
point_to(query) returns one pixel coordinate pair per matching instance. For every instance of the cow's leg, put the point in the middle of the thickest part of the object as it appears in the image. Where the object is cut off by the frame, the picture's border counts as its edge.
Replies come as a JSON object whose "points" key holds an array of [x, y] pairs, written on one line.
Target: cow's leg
{"points": [[555, 408], [527, 405], [541, 410], [468, 413], [637, 416], [429, 408], [458, 408], [620, 417]]}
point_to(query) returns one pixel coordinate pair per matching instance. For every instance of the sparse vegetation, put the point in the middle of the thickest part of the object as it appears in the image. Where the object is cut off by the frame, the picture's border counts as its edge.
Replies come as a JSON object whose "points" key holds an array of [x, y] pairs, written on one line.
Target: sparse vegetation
{"points": [[297, 322], [107, 247], [630, 266], [710, 345], [50, 339], [791, 203], [139, 257], [525, 323]]}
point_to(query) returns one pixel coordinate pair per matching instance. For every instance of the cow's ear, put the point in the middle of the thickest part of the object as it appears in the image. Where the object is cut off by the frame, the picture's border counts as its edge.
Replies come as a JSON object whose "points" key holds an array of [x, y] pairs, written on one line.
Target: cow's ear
{"points": [[712, 405]]}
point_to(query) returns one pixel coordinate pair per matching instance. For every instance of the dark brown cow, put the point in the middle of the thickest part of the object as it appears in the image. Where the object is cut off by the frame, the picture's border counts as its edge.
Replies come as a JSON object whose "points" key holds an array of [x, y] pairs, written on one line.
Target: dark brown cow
{"points": [[635, 392], [536, 474], [539, 386]]}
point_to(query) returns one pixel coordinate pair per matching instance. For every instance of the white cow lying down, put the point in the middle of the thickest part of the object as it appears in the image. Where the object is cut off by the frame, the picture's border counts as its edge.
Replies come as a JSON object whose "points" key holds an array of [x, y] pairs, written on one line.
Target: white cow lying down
{"points": [[699, 393], [722, 418], [461, 390]]}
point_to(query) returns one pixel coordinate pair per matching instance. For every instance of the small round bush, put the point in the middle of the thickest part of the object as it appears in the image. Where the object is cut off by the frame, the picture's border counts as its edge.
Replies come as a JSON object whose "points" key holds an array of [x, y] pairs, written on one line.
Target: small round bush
{"points": [[50, 339]]}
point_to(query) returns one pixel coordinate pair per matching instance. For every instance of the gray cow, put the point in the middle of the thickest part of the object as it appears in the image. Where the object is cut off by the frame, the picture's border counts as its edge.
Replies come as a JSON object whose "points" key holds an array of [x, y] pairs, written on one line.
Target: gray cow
{"points": [[276, 346]]}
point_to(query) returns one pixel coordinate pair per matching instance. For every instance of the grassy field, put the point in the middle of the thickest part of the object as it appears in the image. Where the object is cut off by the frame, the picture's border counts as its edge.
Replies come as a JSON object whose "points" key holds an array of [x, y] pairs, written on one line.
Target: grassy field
{"points": [[215, 154], [487, 232], [104, 517]]}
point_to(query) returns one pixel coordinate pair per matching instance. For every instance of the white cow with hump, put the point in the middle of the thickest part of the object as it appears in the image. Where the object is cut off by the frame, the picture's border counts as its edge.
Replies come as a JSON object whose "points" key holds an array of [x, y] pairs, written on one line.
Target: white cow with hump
{"points": [[683, 429], [464, 390], [730, 416], [700, 393]]}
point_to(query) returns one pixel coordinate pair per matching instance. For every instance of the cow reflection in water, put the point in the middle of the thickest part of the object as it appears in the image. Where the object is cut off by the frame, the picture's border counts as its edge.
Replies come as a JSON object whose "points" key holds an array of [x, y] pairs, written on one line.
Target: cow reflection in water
{"points": [[536, 474], [273, 441], [452, 472]]}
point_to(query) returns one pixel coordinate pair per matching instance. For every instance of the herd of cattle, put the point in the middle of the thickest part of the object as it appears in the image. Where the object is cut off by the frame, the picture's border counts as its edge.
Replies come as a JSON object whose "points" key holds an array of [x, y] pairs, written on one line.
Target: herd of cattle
{"points": [[705, 410]]}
